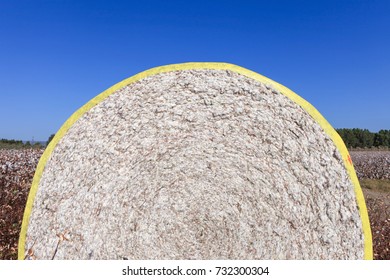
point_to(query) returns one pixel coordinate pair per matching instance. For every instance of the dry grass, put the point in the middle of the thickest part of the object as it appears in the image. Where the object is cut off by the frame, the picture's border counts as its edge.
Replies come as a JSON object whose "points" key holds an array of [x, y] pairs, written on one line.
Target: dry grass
{"points": [[376, 185]]}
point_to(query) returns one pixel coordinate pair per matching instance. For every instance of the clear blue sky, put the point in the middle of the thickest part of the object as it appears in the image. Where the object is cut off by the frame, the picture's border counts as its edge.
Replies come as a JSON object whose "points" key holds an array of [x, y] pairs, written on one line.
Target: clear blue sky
{"points": [[57, 55]]}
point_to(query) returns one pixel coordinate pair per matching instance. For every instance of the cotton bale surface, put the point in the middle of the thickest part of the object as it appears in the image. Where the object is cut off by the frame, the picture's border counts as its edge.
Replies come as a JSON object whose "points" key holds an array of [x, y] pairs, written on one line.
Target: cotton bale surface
{"points": [[196, 161]]}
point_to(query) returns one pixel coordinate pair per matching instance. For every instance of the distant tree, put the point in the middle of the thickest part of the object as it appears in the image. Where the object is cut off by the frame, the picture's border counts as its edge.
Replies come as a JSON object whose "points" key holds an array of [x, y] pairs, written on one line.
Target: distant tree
{"points": [[49, 140], [37, 145], [28, 144], [363, 138], [348, 137], [12, 141], [382, 138], [11, 144]]}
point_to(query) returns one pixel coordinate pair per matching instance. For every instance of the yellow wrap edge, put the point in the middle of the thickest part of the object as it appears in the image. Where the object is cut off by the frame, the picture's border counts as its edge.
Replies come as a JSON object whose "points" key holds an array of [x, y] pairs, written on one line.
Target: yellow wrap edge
{"points": [[329, 130]]}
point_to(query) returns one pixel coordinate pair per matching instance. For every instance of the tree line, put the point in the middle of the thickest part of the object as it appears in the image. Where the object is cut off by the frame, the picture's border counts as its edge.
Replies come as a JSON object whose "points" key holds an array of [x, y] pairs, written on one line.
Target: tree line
{"points": [[18, 144], [352, 137], [363, 138]]}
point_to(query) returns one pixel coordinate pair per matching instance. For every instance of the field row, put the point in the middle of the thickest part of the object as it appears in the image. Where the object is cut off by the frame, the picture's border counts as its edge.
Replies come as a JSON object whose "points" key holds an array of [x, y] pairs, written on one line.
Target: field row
{"points": [[372, 164]]}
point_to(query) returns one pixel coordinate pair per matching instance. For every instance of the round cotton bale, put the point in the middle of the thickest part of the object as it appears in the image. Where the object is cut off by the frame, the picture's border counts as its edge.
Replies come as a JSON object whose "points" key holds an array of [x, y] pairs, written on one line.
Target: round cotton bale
{"points": [[196, 161]]}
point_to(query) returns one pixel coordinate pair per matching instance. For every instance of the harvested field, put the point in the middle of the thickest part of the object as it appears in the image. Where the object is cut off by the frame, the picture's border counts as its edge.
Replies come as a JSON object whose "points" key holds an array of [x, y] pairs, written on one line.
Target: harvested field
{"points": [[372, 164], [17, 169], [373, 170], [378, 204]]}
